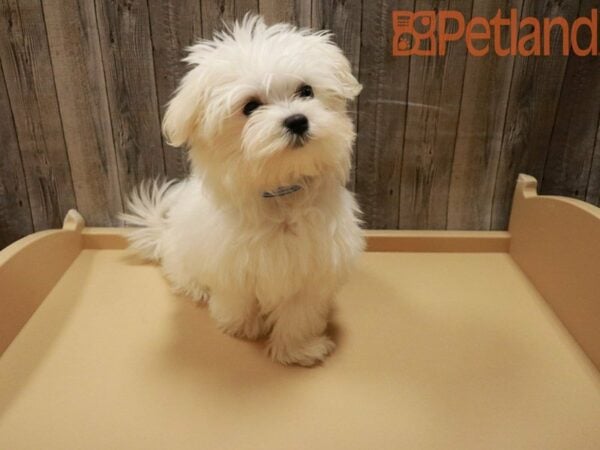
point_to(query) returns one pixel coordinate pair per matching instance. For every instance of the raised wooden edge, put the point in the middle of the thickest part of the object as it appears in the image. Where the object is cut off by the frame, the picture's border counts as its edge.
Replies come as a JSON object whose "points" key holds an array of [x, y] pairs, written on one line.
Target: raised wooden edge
{"points": [[73, 221], [377, 240], [526, 188], [556, 243], [104, 238], [29, 269], [554, 240], [437, 241]]}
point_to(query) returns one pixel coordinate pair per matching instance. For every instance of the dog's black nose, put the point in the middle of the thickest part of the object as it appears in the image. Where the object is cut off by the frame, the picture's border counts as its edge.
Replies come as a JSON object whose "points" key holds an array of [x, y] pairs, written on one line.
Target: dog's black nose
{"points": [[297, 124]]}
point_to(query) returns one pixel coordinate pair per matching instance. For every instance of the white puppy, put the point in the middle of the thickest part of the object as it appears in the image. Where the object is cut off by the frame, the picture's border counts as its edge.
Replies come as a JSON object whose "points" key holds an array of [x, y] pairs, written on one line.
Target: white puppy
{"points": [[264, 228]]}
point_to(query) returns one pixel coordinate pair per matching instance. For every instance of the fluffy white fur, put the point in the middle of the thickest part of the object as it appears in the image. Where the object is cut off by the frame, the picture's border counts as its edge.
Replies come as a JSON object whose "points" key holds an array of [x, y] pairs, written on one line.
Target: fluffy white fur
{"points": [[266, 266]]}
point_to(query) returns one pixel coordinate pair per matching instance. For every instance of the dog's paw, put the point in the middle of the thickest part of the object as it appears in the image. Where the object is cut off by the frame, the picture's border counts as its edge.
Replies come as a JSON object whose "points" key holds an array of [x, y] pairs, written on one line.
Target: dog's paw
{"points": [[307, 354], [251, 328], [201, 296], [199, 293]]}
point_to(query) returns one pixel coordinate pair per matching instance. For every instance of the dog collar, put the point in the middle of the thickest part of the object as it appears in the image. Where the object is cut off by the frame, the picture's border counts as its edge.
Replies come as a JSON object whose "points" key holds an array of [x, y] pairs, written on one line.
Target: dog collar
{"points": [[281, 191]]}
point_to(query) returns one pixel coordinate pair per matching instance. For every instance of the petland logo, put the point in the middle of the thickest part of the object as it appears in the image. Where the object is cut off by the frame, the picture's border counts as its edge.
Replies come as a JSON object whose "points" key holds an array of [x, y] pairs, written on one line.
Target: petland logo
{"points": [[428, 33]]}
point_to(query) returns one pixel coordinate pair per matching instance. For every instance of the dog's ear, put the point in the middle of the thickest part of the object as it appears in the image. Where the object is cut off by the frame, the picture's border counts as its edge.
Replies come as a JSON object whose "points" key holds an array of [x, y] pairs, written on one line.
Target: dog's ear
{"points": [[183, 114], [347, 85], [350, 85]]}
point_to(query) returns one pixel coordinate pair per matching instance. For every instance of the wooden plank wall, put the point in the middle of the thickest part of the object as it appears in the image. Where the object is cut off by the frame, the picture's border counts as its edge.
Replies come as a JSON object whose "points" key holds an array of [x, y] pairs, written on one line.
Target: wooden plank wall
{"points": [[83, 84]]}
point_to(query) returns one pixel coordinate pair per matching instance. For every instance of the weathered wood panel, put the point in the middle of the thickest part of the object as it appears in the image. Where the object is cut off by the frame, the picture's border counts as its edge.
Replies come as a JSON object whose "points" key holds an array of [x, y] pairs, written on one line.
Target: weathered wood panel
{"points": [[434, 92], [481, 123], [532, 106], [593, 189], [243, 7], [569, 159], [79, 76], [435, 88], [214, 14], [382, 110], [30, 83], [219, 12], [343, 18], [440, 139], [297, 12], [124, 29], [15, 211], [175, 25]]}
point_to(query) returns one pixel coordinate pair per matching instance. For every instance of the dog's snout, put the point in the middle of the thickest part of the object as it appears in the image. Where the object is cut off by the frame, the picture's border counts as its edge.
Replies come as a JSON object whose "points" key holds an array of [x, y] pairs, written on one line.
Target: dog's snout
{"points": [[297, 124]]}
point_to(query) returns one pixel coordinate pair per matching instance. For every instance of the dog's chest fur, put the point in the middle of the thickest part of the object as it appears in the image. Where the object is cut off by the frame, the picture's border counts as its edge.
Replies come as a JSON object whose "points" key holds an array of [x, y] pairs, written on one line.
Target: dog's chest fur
{"points": [[280, 257], [272, 254]]}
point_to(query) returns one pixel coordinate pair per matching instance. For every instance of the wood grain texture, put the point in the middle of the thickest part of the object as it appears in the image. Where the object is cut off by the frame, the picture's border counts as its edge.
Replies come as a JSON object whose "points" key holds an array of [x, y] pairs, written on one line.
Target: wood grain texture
{"points": [[593, 189], [343, 18], [243, 7], [480, 127], [15, 211], [440, 139], [297, 12], [531, 109], [569, 159], [175, 25], [78, 71], [382, 110], [124, 29], [30, 83], [218, 12], [434, 93], [214, 13]]}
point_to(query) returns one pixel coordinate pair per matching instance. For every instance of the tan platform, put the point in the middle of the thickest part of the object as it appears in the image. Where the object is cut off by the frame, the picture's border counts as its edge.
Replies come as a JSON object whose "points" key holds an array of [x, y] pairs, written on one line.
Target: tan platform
{"points": [[446, 340]]}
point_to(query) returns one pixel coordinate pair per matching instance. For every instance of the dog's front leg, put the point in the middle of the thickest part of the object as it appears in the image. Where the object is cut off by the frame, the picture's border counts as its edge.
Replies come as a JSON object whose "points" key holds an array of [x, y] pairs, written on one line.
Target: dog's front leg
{"points": [[298, 333], [237, 314]]}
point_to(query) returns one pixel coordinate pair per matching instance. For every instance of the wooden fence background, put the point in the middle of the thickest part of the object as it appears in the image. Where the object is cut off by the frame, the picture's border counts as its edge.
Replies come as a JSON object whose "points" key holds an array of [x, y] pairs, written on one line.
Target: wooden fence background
{"points": [[440, 139]]}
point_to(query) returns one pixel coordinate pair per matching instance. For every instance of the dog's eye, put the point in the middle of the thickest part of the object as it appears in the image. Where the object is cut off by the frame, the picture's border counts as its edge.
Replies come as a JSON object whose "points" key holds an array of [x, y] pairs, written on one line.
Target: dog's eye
{"points": [[251, 106], [305, 91]]}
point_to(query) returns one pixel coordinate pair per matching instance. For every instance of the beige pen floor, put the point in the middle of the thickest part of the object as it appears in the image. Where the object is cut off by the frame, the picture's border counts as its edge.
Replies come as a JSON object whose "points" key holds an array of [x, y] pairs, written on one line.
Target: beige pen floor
{"points": [[435, 351]]}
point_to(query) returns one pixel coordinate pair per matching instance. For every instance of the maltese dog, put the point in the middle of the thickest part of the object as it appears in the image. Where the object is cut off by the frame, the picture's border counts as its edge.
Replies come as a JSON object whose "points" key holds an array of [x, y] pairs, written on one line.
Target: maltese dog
{"points": [[263, 229]]}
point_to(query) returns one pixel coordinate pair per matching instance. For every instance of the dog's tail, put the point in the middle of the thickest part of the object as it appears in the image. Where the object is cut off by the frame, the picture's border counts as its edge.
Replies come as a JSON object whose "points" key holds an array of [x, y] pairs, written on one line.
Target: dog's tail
{"points": [[147, 208]]}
